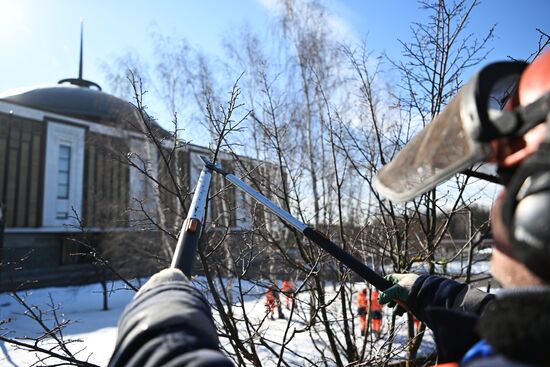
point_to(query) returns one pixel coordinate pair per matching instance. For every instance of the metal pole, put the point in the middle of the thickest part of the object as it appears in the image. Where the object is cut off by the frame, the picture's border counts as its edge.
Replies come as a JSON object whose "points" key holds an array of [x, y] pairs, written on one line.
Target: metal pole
{"points": [[188, 240], [336, 251], [283, 214]]}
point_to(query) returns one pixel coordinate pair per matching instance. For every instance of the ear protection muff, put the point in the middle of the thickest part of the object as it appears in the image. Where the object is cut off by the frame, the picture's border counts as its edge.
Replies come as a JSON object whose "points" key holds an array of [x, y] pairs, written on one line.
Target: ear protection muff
{"points": [[526, 211]]}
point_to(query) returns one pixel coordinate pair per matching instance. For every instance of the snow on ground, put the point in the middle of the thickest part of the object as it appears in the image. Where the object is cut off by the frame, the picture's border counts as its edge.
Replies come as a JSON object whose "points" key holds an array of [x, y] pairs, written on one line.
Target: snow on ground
{"points": [[82, 306], [96, 329]]}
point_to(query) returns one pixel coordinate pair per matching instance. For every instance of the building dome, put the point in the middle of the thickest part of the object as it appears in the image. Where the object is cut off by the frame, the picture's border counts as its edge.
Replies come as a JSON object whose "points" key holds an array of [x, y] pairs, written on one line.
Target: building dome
{"points": [[81, 102], [78, 99]]}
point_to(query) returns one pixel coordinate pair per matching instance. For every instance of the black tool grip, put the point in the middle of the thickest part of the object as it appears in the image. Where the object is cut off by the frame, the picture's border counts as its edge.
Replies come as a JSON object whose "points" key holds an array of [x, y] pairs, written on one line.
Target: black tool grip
{"points": [[347, 259], [186, 249]]}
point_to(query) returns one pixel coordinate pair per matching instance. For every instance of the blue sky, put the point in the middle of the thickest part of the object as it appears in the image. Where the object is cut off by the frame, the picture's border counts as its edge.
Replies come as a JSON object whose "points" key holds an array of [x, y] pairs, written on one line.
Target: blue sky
{"points": [[40, 39]]}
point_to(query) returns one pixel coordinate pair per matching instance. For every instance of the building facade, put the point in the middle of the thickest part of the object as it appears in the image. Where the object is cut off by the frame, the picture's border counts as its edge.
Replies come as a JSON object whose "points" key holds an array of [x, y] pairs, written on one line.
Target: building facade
{"points": [[72, 163]]}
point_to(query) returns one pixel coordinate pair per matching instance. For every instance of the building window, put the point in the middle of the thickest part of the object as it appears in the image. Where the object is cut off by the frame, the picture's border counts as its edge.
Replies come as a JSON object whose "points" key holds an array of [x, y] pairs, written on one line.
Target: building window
{"points": [[63, 172], [61, 215]]}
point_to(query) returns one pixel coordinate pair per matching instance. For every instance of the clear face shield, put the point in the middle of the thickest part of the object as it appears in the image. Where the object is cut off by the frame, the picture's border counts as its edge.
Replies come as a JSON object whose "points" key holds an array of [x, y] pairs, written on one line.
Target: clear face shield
{"points": [[458, 137]]}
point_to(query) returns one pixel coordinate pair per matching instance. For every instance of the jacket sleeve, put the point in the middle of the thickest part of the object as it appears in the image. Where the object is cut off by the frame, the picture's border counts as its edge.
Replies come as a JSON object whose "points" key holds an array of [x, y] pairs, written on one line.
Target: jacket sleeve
{"points": [[431, 291], [168, 325], [451, 310]]}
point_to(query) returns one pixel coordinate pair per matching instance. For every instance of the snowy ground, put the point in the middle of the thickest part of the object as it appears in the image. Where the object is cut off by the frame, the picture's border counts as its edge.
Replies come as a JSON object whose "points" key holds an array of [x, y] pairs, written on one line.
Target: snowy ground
{"points": [[82, 306], [94, 330]]}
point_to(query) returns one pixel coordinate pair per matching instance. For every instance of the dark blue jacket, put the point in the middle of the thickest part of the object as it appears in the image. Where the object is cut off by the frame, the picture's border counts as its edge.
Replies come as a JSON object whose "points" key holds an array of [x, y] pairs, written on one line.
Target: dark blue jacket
{"points": [[168, 325], [480, 329]]}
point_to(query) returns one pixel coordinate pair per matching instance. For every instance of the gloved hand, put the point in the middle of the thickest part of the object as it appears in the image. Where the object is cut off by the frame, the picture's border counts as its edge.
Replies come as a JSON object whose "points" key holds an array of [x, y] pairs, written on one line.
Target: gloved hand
{"points": [[169, 322], [400, 291], [165, 275]]}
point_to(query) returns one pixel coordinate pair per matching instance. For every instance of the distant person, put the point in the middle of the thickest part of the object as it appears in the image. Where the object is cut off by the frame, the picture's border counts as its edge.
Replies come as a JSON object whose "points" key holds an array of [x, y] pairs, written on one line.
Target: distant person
{"points": [[369, 307], [273, 302], [362, 306], [270, 304], [288, 290], [375, 312]]}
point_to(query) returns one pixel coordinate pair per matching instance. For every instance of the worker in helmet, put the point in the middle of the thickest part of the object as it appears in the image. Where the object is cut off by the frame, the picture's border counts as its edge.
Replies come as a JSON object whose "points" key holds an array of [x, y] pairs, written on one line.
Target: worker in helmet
{"points": [[473, 328]]}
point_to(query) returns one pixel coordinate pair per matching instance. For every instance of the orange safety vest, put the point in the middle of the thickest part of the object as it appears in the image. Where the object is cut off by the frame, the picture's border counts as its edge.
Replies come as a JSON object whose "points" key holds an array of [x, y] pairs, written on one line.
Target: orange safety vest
{"points": [[269, 298], [362, 300], [374, 304], [287, 286]]}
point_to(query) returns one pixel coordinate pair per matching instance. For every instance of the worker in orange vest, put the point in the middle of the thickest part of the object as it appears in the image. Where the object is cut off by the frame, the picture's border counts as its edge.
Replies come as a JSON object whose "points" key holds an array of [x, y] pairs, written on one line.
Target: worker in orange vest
{"points": [[270, 302], [288, 290], [362, 306], [375, 313], [369, 306], [273, 301]]}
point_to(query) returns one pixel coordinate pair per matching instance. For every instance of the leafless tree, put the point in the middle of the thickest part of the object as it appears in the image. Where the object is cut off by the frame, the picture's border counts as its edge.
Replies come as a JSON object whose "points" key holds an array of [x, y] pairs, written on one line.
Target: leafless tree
{"points": [[316, 123], [431, 71], [50, 346]]}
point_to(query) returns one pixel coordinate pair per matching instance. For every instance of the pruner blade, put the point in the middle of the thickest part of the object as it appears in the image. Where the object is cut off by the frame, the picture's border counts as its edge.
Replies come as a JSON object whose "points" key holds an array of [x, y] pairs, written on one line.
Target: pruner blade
{"points": [[214, 167]]}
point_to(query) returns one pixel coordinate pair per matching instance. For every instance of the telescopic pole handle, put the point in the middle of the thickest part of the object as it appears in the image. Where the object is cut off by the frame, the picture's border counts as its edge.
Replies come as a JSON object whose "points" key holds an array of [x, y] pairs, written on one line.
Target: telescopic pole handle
{"points": [[339, 253], [188, 240], [352, 262], [347, 259], [336, 251], [185, 251]]}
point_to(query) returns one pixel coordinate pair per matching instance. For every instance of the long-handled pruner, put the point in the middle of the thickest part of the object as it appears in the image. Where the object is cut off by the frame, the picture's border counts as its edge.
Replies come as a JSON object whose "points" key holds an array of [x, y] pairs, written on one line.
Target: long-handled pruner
{"points": [[190, 233], [346, 258]]}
